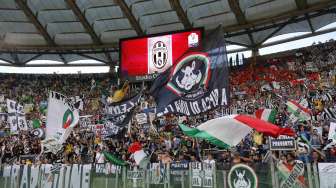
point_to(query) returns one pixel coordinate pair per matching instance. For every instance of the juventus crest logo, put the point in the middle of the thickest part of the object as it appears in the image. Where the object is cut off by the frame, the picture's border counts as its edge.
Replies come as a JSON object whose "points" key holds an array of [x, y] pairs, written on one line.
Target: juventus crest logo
{"points": [[160, 54]]}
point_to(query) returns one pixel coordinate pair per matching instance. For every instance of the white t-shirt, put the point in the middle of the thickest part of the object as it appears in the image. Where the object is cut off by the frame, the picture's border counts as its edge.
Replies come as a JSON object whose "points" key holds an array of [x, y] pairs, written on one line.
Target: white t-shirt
{"points": [[211, 162]]}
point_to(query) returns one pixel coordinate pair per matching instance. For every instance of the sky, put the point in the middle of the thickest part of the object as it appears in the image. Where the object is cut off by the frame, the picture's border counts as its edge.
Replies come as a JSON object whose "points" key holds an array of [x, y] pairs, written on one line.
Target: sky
{"points": [[103, 69]]}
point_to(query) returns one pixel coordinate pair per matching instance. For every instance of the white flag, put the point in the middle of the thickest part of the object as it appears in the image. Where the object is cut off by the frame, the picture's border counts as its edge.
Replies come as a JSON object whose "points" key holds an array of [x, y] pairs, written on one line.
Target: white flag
{"points": [[332, 132], [62, 116], [160, 54]]}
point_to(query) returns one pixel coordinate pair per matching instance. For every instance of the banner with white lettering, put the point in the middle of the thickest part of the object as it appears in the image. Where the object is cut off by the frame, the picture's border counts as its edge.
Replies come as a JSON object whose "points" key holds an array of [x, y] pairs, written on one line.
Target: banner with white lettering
{"points": [[196, 173], [197, 83], [291, 175], [48, 176], [121, 113], [209, 170], [141, 118], [282, 143], [179, 172]]}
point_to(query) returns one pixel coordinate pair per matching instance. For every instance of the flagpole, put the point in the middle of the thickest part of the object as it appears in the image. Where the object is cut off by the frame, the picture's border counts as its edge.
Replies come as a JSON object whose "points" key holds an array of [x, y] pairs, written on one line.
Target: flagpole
{"points": [[129, 127]]}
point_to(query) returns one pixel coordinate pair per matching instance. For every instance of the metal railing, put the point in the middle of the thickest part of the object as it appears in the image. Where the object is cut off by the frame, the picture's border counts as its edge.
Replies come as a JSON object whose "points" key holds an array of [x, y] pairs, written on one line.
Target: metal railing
{"points": [[179, 175]]}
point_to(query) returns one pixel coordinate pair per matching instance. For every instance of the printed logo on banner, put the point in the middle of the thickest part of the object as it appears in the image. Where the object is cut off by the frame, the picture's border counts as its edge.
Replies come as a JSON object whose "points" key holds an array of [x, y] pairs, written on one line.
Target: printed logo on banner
{"points": [[190, 76], [242, 176], [159, 54], [193, 40], [68, 118]]}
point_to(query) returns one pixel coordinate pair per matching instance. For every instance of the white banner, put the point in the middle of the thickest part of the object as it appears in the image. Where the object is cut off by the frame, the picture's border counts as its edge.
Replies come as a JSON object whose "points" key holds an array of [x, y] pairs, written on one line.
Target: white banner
{"points": [[332, 132], [196, 171], [327, 174], [16, 116], [141, 118], [48, 176], [160, 54], [208, 174], [62, 116]]}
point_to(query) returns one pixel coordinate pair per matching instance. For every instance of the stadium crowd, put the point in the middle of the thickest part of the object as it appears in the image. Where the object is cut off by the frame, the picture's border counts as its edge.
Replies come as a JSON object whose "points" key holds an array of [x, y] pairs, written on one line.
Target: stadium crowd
{"points": [[307, 77]]}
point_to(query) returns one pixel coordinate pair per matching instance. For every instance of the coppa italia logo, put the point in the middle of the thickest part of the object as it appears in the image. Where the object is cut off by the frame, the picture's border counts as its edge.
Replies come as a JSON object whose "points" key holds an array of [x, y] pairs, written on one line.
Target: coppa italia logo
{"points": [[68, 118], [191, 75]]}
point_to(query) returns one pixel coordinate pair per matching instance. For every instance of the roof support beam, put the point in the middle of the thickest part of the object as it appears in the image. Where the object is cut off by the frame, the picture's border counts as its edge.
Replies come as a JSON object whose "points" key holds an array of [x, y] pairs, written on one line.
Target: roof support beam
{"points": [[34, 57], [275, 31], [15, 58], [296, 20], [31, 16], [317, 33], [113, 47], [75, 9], [131, 18], [301, 5], [283, 16], [59, 65], [81, 17], [234, 5], [175, 4], [237, 43], [63, 59], [310, 23]]}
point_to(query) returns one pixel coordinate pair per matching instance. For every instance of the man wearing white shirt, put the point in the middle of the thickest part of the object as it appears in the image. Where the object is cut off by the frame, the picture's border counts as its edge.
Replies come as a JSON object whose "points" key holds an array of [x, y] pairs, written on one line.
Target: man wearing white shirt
{"points": [[210, 160]]}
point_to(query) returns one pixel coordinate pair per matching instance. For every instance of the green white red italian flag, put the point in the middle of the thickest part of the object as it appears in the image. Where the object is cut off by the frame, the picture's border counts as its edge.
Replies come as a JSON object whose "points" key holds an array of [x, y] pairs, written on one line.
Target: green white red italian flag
{"points": [[298, 110], [266, 115], [285, 171], [228, 131]]}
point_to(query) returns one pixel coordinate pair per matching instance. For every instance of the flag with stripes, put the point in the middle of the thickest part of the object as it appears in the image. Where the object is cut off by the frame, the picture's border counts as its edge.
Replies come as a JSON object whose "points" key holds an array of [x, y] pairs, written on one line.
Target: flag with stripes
{"points": [[298, 111], [327, 97], [329, 113], [228, 131], [266, 115]]}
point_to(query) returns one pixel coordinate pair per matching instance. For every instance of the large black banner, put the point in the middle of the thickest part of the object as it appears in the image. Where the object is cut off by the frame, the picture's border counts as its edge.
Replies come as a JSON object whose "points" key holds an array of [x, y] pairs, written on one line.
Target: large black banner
{"points": [[119, 114], [197, 83]]}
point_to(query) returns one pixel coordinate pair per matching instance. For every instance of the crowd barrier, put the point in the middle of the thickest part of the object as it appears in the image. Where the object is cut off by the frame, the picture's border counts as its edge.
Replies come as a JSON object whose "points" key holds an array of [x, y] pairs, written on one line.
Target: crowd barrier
{"points": [[179, 175]]}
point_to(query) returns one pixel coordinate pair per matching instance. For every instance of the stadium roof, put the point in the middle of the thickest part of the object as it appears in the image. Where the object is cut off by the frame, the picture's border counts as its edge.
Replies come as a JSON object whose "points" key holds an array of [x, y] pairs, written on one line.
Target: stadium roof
{"points": [[71, 30]]}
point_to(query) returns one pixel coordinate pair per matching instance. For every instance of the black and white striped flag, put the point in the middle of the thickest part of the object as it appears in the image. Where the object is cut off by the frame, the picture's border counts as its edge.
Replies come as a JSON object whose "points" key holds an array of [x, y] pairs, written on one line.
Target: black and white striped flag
{"points": [[327, 97], [329, 113]]}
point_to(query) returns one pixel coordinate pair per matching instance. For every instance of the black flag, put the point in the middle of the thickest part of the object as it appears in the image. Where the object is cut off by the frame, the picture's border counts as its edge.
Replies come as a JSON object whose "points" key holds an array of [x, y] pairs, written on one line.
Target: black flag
{"points": [[119, 114], [197, 83]]}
